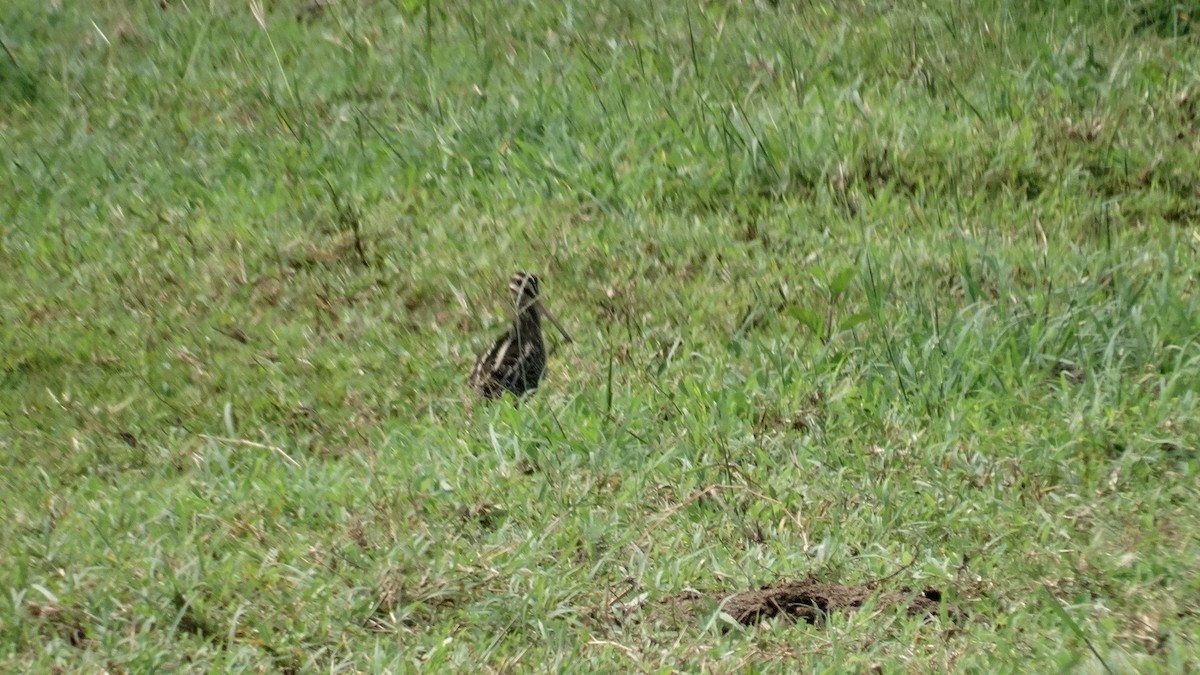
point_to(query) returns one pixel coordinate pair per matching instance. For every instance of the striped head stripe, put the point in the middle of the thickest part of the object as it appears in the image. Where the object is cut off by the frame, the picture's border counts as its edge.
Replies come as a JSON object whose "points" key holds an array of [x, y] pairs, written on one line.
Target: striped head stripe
{"points": [[523, 284]]}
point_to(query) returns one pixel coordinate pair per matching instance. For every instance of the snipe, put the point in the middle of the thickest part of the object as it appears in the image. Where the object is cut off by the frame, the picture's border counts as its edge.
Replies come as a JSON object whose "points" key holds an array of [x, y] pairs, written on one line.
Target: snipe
{"points": [[517, 359]]}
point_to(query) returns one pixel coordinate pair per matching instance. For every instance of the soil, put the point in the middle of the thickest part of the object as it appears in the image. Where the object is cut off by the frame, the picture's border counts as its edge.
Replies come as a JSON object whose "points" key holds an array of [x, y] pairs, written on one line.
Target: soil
{"points": [[807, 600]]}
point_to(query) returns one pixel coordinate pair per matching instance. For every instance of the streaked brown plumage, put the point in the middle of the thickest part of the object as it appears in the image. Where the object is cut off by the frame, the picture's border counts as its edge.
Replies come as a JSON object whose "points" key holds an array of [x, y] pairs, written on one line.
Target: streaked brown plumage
{"points": [[517, 359]]}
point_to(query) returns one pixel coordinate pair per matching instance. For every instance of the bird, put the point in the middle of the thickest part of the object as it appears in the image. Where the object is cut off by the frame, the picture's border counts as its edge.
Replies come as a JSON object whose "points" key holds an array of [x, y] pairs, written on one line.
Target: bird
{"points": [[516, 360]]}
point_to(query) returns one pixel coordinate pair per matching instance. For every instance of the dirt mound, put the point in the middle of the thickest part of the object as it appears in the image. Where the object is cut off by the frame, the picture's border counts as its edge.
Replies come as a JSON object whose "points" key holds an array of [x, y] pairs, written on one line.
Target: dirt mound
{"points": [[807, 600]]}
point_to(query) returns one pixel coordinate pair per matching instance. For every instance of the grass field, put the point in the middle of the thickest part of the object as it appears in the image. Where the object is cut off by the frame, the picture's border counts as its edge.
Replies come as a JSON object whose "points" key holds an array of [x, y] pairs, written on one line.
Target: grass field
{"points": [[899, 294]]}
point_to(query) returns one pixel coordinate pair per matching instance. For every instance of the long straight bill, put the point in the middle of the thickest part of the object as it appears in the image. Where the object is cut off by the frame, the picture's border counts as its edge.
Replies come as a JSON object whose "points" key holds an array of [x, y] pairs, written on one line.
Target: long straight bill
{"points": [[554, 321]]}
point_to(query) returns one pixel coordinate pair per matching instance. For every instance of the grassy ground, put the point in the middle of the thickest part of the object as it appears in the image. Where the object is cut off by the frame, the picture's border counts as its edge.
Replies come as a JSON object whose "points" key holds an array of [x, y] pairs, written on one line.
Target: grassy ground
{"points": [[858, 290]]}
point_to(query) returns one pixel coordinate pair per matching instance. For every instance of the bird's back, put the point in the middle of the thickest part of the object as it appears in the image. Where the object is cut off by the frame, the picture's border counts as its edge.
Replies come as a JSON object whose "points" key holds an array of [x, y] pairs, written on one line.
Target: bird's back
{"points": [[514, 363]]}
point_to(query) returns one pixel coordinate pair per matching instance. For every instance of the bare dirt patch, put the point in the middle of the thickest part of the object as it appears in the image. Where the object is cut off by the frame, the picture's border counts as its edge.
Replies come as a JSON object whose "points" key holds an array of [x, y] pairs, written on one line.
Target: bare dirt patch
{"points": [[807, 600], [68, 624]]}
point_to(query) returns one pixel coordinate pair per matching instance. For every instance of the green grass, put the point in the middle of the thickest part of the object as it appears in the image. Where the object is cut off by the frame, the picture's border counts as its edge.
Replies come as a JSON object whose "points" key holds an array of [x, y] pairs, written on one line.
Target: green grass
{"points": [[858, 289]]}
